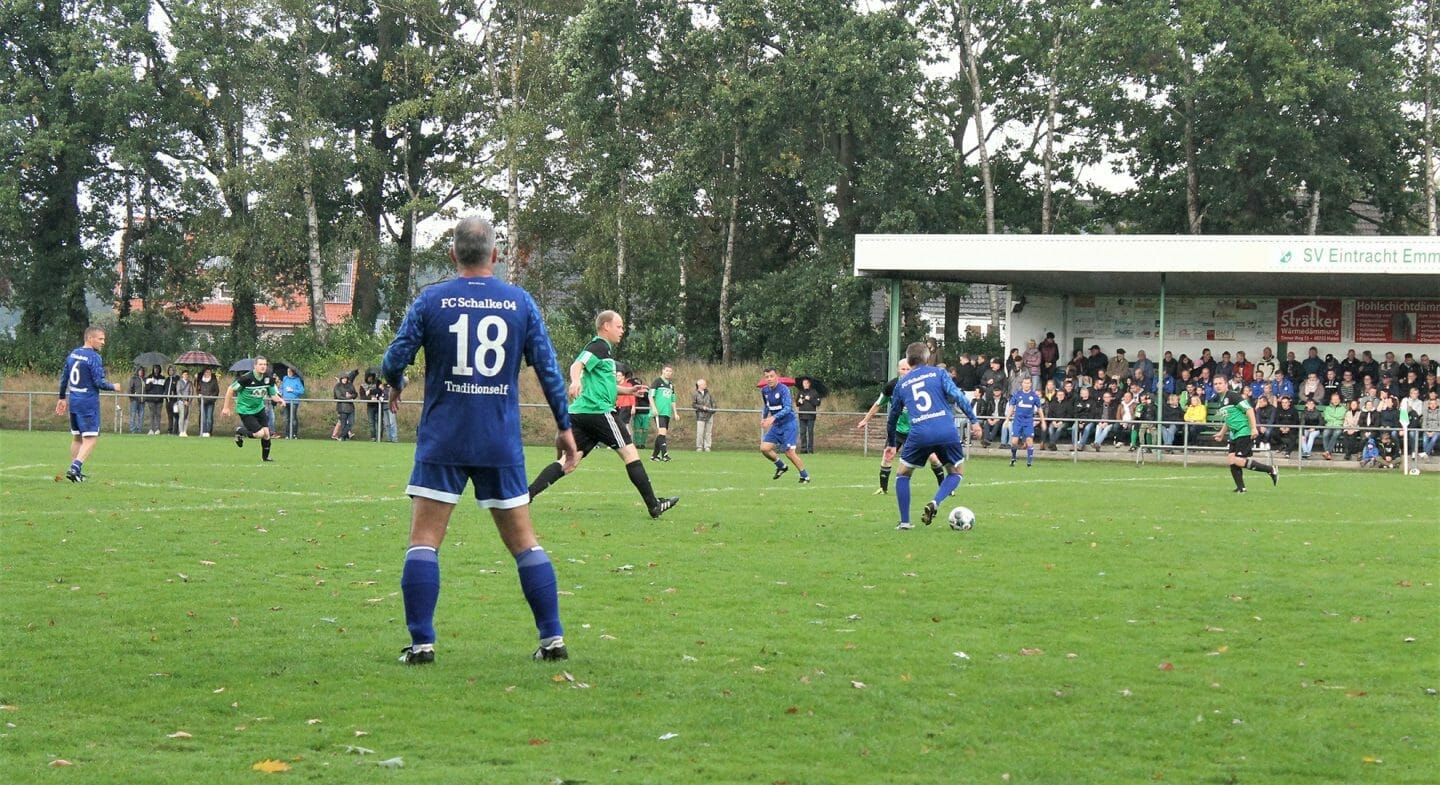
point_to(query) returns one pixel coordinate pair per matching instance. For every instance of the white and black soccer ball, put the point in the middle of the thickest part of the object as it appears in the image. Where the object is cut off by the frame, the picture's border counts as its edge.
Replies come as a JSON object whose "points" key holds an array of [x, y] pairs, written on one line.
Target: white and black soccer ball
{"points": [[1414, 469], [962, 519]]}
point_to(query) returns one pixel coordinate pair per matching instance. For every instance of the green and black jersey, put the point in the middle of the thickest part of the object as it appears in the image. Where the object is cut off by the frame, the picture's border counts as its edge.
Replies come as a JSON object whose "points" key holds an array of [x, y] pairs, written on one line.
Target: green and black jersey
{"points": [[597, 381], [251, 392]]}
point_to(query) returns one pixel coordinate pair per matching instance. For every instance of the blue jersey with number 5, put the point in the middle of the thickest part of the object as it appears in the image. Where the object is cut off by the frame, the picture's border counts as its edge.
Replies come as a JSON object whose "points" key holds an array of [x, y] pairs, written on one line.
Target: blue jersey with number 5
{"points": [[475, 331], [927, 393]]}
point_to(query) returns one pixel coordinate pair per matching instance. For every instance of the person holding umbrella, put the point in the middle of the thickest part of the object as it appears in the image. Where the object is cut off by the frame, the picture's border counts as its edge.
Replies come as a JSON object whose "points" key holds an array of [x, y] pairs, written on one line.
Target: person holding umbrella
{"points": [[207, 387], [254, 388], [81, 381], [155, 384]]}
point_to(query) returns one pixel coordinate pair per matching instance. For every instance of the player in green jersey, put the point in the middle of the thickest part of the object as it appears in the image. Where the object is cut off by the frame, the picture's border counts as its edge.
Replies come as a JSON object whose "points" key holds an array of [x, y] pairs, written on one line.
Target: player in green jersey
{"points": [[662, 398], [253, 387], [593, 389], [1237, 420], [902, 430]]}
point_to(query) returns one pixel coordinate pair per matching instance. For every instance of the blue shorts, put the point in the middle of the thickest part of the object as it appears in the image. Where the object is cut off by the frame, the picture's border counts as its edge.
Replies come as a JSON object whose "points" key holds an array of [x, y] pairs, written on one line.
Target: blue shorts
{"points": [[85, 422], [783, 435], [496, 487], [1022, 430], [914, 454]]}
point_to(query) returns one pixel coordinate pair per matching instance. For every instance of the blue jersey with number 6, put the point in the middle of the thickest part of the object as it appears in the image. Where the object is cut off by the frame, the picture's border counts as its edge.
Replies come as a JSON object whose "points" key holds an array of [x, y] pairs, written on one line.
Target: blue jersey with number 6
{"points": [[475, 331], [927, 393]]}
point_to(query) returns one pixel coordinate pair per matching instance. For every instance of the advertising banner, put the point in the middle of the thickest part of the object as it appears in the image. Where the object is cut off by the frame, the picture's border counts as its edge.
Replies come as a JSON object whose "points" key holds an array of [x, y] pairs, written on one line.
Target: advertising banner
{"points": [[1397, 321], [1309, 320]]}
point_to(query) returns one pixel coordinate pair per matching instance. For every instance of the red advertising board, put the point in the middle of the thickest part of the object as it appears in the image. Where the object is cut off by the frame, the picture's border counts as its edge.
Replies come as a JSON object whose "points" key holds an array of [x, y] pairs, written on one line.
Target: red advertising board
{"points": [[1313, 320], [1397, 321]]}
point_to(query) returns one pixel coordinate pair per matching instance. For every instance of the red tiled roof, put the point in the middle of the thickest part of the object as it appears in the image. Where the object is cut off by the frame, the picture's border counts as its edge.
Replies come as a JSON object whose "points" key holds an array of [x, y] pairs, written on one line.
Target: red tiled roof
{"points": [[266, 316]]}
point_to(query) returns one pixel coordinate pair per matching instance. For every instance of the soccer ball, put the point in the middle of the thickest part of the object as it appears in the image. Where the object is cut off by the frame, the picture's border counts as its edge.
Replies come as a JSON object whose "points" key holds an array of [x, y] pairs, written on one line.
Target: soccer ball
{"points": [[962, 519], [1414, 469]]}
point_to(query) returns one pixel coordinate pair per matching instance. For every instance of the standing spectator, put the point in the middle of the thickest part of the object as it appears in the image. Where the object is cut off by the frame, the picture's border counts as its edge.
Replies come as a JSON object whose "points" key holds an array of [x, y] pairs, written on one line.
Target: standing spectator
{"points": [[640, 415], [702, 402], [1034, 361], [1267, 366], [662, 399], [370, 393], [81, 380], [967, 376], [468, 437], [1049, 357], [624, 401], [154, 398], [136, 391], [992, 378], [1017, 373], [593, 388], [172, 401], [184, 398], [388, 426], [344, 395], [807, 401], [291, 388], [1412, 410], [208, 388]]}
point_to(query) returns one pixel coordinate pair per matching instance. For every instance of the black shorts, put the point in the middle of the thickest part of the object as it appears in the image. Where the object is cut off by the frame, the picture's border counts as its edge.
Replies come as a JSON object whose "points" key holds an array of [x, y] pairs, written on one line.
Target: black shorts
{"points": [[662, 421], [593, 429], [1240, 447], [254, 422]]}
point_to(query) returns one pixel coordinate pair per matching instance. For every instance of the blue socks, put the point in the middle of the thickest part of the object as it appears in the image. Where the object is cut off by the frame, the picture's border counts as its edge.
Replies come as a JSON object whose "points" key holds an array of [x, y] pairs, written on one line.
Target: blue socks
{"points": [[420, 586], [902, 496], [952, 482], [1029, 455], [75, 466], [537, 581]]}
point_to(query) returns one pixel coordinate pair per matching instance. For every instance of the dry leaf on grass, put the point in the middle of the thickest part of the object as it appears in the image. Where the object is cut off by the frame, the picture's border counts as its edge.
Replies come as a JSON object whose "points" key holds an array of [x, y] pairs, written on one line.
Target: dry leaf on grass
{"points": [[179, 734], [1031, 652], [61, 762], [859, 685], [271, 766]]}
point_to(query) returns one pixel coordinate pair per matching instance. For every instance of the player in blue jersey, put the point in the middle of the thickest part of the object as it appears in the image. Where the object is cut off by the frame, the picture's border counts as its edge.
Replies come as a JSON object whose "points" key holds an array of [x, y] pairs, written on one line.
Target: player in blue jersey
{"points": [[1025, 406], [81, 380], [927, 394], [777, 416], [475, 329]]}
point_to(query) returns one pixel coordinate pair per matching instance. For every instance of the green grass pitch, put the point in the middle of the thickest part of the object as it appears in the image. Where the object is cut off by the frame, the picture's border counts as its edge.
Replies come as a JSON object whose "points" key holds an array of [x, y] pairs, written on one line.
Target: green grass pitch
{"points": [[189, 613]]}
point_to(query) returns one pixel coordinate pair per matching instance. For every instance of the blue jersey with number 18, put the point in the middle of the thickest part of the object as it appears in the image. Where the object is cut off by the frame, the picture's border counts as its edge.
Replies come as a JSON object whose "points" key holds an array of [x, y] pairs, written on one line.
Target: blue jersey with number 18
{"points": [[475, 332]]}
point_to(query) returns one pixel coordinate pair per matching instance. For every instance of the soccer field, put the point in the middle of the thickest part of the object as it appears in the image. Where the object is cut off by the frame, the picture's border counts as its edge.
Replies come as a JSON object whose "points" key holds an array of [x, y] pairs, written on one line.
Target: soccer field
{"points": [[189, 613]]}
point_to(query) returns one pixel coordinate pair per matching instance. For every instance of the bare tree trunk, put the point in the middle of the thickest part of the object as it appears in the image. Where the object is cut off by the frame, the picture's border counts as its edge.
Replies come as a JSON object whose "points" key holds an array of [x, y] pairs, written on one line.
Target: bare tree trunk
{"points": [[1193, 213], [727, 347], [1314, 224], [972, 75], [122, 286], [1432, 168], [621, 195], [318, 319], [680, 348], [1047, 208]]}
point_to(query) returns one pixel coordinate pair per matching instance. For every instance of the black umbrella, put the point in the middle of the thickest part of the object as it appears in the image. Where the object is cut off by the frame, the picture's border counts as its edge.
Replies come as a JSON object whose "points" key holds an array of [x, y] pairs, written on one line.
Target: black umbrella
{"points": [[147, 359], [818, 385], [241, 366], [282, 367]]}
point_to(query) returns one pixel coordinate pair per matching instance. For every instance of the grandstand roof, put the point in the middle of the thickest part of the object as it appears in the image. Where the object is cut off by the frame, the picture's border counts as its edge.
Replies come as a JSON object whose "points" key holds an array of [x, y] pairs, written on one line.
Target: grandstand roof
{"points": [[1281, 266]]}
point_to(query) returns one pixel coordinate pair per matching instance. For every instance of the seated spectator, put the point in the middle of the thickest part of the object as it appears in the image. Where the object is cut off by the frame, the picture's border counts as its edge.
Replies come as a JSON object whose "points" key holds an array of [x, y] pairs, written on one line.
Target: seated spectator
{"points": [[1244, 369], [1369, 421], [1333, 436], [1267, 366], [1294, 370], [1172, 419], [1349, 389], [1283, 387], [991, 412], [1058, 413], [1196, 415], [1143, 430], [1107, 413], [1369, 454], [1387, 451], [1312, 389], [1264, 421], [1430, 424], [1286, 436], [1086, 411], [1224, 366], [1312, 419], [1351, 434]]}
